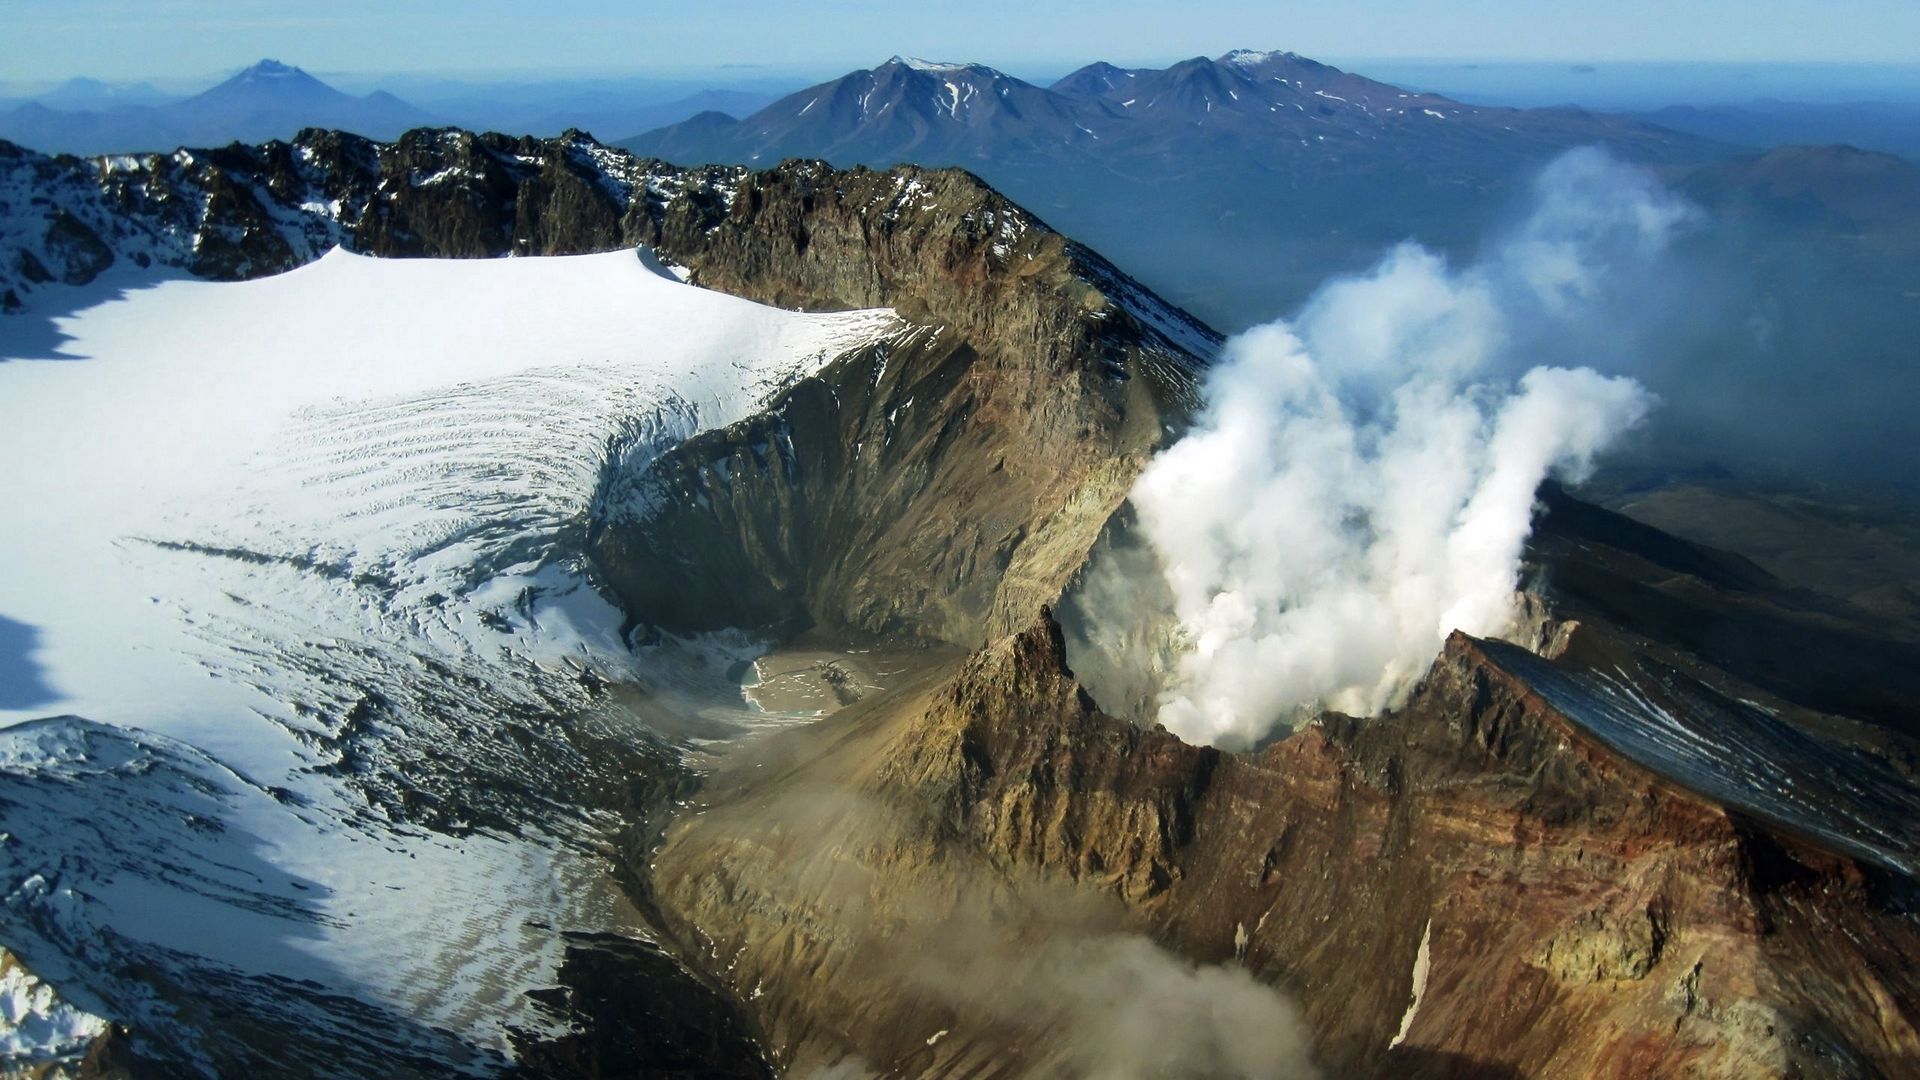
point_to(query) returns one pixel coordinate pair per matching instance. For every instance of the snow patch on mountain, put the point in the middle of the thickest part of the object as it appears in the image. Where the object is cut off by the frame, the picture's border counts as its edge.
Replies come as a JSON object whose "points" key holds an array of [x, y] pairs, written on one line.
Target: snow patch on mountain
{"points": [[931, 66], [1254, 57], [35, 1024]]}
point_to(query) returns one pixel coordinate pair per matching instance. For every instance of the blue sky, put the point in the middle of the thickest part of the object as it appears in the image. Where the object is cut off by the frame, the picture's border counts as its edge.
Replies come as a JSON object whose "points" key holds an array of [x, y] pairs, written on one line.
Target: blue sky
{"points": [[46, 39]]}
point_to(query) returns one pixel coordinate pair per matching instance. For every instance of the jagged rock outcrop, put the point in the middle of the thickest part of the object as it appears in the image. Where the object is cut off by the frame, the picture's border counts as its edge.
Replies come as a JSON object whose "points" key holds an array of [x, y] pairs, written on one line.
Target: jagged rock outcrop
{"points": [[938, 487], [1061, 788], [244, 211]]}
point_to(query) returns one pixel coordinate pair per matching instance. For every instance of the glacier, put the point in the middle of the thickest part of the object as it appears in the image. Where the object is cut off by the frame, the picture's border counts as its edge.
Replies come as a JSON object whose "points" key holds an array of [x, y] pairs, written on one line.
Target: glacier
{"points": [[305, 645]]}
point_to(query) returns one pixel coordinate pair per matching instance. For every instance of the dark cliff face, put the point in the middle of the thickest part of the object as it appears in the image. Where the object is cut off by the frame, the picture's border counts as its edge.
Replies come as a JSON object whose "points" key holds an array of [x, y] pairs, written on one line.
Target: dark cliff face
{"points": [[935, 486]]}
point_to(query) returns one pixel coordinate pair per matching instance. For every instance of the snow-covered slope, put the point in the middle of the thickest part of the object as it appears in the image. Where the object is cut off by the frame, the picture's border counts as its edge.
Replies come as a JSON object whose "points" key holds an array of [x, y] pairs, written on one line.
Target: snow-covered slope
{"points": [[303, 552]]}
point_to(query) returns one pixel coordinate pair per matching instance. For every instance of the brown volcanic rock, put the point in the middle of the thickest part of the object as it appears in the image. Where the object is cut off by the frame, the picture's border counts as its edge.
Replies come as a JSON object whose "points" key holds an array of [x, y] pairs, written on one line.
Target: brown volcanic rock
{"points": [[1051, 781], [1580, 914], [939, 486]]}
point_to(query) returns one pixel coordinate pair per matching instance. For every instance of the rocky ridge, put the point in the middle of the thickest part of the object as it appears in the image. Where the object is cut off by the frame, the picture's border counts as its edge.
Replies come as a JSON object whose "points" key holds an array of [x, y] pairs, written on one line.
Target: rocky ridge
{"points": [[934, 487], [246, 211]]}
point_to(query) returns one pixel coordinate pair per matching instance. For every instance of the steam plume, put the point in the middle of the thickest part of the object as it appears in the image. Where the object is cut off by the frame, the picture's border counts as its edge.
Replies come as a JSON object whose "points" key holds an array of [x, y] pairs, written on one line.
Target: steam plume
{"points": [[1361, 481]]}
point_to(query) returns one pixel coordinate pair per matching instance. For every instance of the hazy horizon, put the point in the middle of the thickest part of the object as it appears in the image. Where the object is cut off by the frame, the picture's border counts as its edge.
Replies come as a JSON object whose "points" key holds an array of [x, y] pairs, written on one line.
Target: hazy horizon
{"points": [[1619, 85], [186, 39]]}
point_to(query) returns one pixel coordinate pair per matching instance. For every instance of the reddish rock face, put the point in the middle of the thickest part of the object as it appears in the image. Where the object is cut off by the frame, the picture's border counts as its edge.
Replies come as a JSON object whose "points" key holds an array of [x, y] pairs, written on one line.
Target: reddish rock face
{"points": [[1555, 908]]}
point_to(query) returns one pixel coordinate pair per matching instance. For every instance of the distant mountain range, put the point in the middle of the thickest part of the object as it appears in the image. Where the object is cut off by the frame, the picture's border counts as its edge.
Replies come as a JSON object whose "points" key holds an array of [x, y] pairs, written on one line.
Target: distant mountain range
{"points": [[1266, 105], [269, 100], [272, 100], [85, 93], [612, 113], [1233, 184], [1890, 127]]}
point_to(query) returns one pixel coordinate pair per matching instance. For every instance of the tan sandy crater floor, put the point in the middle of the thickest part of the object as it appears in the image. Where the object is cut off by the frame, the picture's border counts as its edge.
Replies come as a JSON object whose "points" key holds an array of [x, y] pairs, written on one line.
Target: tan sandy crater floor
{"points": [[809, 677]]}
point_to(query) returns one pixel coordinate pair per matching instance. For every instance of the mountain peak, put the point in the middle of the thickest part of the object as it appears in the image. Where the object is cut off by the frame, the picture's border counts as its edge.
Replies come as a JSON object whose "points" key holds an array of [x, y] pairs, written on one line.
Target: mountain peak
{"points": [[1096, 79], [274, 100], [941, 70], [931, 66], [271, 80], [1256, 57], [272, 69]]}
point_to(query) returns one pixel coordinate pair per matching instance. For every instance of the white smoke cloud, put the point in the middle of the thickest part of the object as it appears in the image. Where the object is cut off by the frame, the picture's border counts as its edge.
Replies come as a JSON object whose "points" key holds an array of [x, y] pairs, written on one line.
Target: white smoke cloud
{"points": [[1361, 481]]}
